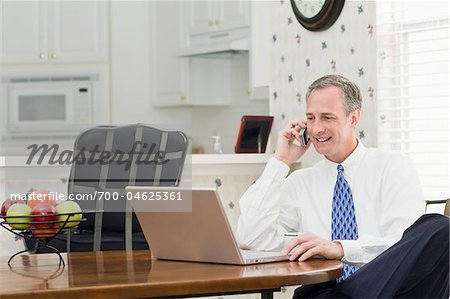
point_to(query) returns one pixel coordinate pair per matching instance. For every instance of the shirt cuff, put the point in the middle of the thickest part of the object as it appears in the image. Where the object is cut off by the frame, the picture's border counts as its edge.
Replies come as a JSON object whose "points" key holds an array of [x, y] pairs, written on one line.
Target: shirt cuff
{"points": [[352, 251]]}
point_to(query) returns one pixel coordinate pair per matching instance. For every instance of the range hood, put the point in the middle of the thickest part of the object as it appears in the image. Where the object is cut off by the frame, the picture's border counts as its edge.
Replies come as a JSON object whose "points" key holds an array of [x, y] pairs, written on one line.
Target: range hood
{"points": [[235, 45]]}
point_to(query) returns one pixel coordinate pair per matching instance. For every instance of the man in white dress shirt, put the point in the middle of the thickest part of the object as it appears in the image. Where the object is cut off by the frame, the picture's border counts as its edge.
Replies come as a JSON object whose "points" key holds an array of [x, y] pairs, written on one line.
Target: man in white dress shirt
{"points": [[383, 191]]}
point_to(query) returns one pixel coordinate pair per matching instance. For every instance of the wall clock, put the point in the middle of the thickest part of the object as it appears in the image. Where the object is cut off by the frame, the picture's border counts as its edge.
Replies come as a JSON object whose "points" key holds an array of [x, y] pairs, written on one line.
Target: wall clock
{"points": [[317, 15]]}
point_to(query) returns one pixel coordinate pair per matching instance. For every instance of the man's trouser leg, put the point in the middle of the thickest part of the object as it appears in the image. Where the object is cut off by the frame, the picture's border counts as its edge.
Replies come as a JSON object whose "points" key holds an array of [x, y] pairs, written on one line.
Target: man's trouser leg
{"points": [[415, 267]]}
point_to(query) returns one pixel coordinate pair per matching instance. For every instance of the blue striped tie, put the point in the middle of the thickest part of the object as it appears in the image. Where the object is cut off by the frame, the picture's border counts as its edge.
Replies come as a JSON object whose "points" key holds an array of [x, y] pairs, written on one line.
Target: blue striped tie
{"points": [[343, 218]]}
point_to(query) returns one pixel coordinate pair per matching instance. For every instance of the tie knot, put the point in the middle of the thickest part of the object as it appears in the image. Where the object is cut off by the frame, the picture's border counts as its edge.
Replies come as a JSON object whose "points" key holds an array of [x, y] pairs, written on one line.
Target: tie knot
{"points": [[340, 169]]}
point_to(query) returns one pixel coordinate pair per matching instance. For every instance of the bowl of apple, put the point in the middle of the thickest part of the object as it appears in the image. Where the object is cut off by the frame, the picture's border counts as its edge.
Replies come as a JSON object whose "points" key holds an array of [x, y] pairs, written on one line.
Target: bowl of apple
{"points": [[40, 218], [43, 217]]}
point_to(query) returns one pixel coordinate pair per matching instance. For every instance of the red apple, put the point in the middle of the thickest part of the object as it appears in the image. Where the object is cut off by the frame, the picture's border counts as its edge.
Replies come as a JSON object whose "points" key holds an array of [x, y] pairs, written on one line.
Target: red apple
{"points": [[9, 202], [44, 213], [43, 231], [39, 196], [43, 210]]}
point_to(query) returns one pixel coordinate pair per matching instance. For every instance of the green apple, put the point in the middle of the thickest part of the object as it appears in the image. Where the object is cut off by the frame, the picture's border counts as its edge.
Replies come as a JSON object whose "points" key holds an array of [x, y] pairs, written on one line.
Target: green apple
{"points": [[18, 209], [69, 206]]}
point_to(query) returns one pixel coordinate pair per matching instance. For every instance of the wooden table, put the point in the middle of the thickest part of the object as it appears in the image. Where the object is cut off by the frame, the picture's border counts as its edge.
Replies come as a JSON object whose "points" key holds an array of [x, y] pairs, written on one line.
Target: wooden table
{"points": [[131, 274]]}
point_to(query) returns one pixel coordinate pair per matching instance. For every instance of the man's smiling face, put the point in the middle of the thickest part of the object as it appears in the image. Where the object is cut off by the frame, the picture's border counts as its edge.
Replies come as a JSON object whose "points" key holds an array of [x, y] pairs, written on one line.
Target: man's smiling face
{"points": [[330, 129]]}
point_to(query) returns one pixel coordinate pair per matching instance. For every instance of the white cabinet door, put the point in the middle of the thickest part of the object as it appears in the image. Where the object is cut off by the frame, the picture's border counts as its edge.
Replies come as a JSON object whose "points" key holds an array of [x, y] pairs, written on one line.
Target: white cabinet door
{"points": [[53, 31], [231, 14], [169, 74], [217, 15], [260, 46], [78, 31], [201, 16], [23, 31]]}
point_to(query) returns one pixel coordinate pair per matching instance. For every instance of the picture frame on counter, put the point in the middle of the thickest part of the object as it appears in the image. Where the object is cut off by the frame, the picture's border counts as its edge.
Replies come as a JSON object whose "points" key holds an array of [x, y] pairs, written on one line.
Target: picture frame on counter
{"points": [[253, 134]]}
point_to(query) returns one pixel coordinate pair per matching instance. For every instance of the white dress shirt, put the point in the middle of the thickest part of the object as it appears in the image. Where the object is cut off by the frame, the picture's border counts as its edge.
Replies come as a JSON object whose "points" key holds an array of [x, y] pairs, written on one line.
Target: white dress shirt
{"points": [[386, 193]]}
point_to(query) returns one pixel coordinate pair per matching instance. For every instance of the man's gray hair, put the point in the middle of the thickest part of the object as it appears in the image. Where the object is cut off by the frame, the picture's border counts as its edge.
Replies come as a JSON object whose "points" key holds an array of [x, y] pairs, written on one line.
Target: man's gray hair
{"points": [[350, 91]]}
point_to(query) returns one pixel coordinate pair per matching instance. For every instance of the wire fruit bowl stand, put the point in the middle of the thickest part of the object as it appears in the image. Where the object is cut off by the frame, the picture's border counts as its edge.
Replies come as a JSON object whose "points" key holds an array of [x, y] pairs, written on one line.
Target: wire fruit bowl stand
{"points": [[42, 232]]}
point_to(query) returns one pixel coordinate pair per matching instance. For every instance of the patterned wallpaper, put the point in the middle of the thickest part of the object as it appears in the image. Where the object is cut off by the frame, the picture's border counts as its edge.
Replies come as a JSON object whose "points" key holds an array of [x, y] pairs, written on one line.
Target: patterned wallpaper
{"points": [[300, 56]]}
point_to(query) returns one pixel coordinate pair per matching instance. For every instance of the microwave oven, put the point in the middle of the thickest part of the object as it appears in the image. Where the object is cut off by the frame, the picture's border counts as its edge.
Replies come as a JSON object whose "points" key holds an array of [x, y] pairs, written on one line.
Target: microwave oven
{"points": [[48, 106]]}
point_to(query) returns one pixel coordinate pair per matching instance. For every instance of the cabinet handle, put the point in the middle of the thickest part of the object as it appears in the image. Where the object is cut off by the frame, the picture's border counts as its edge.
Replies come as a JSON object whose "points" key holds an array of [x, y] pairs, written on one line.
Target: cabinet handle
{"points": [[183, 97], [217, 22], [210, 22], [249, 91], [54, 56], [42, 56]]}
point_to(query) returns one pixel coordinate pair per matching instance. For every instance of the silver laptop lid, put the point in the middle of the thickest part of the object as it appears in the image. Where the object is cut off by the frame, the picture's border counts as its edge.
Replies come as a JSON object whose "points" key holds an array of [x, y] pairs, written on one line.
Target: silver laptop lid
{"points": [[202, 235]]}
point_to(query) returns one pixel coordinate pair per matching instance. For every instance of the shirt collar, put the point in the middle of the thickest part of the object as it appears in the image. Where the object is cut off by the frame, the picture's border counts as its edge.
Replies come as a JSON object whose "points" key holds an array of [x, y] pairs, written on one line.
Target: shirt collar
{"points": [[351, 163]]}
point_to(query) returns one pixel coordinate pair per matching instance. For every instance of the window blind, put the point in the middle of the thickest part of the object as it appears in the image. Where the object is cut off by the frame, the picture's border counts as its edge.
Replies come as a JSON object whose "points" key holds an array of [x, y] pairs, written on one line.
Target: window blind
{"points": [[413, 87]]}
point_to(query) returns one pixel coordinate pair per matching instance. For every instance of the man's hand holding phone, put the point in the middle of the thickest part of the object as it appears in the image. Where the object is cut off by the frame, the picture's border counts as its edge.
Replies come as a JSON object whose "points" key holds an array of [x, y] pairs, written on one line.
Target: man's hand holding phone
{"points": [[289, 144]]}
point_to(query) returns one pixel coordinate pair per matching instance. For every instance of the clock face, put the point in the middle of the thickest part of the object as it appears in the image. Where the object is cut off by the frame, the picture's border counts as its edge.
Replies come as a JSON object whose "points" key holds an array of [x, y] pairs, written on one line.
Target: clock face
{"points": [[317, 15], [309, 8]]}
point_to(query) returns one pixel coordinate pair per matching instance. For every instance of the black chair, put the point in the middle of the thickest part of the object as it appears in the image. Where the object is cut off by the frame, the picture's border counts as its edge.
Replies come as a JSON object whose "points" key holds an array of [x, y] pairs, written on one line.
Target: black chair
{"points": [[132, 155]]}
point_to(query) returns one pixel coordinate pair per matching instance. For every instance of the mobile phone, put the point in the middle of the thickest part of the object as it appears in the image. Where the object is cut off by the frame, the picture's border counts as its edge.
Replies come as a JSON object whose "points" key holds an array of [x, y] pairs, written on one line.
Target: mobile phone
{"points": [[304, 138]]}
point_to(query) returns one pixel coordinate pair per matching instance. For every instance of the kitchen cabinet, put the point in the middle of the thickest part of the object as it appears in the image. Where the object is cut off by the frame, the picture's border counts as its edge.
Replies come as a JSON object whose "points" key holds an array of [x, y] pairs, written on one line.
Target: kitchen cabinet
{"points": [[169, 77], [177, 81], [216, 21], [259, 50], [204, 80], [53, 32], [211, 16]]}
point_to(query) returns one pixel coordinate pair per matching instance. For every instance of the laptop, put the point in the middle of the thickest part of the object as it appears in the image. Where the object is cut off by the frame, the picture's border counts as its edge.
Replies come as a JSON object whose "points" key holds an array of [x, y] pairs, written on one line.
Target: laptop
{"points": [[203, 235]]}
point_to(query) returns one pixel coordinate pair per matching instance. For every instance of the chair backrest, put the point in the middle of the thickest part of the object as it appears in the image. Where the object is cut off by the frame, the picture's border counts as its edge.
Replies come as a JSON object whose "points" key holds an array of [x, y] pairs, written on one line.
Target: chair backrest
{"points": [[109, 158], [447, 207], [443, 201]]}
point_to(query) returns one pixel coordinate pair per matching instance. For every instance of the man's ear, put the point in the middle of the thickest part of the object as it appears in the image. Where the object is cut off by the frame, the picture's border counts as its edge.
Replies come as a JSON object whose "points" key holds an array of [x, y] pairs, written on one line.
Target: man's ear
{"points": [[354, 118]]}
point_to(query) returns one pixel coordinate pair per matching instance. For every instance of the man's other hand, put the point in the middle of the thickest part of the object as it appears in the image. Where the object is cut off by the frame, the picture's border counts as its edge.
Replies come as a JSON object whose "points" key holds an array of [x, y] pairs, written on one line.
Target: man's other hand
{"points": [[309, 245]]}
